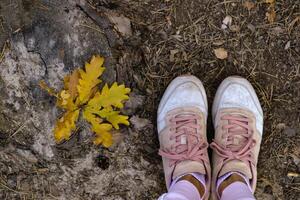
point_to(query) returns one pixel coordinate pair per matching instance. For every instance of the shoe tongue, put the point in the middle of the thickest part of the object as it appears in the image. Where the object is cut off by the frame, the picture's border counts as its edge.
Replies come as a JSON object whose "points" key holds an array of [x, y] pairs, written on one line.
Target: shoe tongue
{"points": [[188, 166], [236, 166]]}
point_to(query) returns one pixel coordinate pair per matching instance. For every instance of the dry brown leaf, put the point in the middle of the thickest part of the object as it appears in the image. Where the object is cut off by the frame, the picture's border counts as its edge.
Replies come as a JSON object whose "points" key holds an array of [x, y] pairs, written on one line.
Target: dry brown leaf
{"points": [[122, 23], [73, 82], [221, 53], [173, 52], [270, 1], [249, 5], [271, 15]]}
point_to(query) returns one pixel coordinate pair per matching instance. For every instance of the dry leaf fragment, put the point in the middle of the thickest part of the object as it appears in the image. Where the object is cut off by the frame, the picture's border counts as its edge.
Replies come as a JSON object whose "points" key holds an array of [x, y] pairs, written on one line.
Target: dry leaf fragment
{"points": [[293, 174], [221, 53], [173, 52], [270, 1], [271, 15], [72, 84], [249, 5], [122, 23]]}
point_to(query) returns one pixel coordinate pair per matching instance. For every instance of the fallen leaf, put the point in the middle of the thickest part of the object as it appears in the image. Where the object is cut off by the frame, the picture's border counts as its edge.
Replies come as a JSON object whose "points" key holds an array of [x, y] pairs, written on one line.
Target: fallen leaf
{"points": [[122, 23], [271, 15], [72, 84], [221, 53], [139, 123], [101, 108], [168, 18], [293, 174], [65, 125], [270, 1], [218, 42], [235, 28], [89, 78], [249, 5], [173, 52]]}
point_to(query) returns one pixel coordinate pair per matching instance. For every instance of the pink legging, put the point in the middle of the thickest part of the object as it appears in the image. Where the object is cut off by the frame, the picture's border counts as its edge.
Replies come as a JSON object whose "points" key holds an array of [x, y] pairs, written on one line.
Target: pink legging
{"points": [[184, 190]]}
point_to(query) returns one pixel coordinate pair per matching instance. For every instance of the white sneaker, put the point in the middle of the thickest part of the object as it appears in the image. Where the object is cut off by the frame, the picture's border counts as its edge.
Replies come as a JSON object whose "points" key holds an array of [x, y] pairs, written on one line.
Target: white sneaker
{"points": [[181, 124], [238, 122]]}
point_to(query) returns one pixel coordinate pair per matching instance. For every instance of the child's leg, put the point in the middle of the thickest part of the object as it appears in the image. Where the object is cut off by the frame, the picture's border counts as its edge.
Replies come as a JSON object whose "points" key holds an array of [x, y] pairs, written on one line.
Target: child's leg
{"points": [[186, 189], [234, 186]]}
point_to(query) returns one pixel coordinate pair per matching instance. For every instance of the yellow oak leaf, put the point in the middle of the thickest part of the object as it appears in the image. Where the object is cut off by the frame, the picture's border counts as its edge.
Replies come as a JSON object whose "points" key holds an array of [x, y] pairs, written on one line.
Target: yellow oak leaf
{"points": [[65, 101], [117, 119], [90, 78], [99, 108], [65, 125], [105, 112], [105, 138], [89, 115], [110, 115], [113, 96]]}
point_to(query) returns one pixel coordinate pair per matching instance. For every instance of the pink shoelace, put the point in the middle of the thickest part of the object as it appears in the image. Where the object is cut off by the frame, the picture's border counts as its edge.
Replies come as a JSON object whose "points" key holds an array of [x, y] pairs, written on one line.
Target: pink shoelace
{"points": [[188, 143], [239, 140]]}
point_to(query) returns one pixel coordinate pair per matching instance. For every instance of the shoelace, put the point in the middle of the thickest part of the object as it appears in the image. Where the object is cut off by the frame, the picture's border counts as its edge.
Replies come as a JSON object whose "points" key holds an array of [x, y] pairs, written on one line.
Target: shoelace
{"points": [[188, 143], [239, 140]]}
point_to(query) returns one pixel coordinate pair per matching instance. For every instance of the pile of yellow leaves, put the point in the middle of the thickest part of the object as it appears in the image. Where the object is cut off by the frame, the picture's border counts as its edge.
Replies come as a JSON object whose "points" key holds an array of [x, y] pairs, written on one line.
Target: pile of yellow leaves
{"points": [[81, 94]]}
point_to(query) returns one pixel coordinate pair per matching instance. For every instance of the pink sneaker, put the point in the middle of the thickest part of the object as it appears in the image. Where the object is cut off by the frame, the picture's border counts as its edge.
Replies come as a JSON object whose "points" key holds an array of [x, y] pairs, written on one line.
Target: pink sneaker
{"points": [[238, 122], [181, 124]]}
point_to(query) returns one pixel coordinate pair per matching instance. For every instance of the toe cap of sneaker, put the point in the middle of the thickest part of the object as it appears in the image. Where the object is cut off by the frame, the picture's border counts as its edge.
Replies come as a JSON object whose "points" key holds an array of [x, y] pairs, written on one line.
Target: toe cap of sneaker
{"points": [[237, 92], [183, 91]]}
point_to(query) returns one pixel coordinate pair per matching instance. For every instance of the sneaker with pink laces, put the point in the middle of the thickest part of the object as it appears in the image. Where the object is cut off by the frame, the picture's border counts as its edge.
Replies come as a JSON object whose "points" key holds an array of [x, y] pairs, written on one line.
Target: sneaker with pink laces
{"points": [[238, 122], [181, 124]]}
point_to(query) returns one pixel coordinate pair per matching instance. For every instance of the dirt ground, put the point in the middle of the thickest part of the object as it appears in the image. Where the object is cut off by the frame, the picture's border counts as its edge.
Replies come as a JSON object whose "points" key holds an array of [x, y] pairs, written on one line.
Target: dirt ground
{"points": [[146, 44]]}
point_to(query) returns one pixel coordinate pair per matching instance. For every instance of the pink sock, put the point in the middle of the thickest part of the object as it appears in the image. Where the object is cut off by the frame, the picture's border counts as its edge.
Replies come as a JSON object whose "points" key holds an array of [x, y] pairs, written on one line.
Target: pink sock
{"points": [[184, 190], [237, 190]]}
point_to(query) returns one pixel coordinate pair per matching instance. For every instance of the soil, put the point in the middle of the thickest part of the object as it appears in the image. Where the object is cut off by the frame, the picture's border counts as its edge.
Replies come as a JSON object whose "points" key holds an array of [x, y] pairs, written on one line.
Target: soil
{"points": [[146, 43]]}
